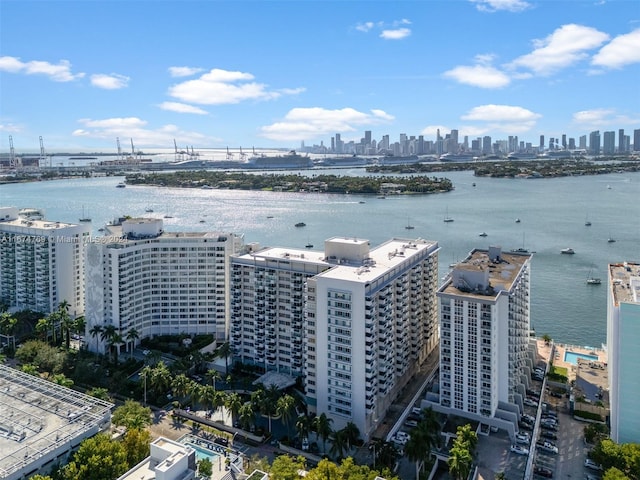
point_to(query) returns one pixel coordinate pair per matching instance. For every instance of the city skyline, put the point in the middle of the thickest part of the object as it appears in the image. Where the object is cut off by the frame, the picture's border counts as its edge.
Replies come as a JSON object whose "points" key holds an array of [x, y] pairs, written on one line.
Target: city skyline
{"points": [[275, 74]]}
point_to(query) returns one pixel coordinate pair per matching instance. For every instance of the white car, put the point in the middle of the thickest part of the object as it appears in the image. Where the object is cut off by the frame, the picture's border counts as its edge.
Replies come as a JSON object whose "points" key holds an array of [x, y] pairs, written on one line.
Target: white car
{"points": [[519, 450], [531, 403], [522, 438], [549, 447], [411, 423], [591, 464]]}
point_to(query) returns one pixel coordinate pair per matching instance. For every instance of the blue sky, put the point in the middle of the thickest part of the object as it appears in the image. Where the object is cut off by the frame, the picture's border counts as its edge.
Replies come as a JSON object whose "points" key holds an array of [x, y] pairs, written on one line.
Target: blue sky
{"points": [[274, 73]]}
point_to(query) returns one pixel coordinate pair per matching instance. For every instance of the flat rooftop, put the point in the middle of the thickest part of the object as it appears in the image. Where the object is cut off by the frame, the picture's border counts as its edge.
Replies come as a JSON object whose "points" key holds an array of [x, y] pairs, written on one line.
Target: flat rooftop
{"points": [[22, 222], [502, 273], [38, 416], [625, 282], [382, 259], [280, 254]]}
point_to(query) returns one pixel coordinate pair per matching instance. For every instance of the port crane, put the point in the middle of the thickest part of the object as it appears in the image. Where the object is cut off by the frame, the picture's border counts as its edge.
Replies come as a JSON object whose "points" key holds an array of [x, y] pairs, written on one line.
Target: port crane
{"points": [[119, 148], [179, 155], [42, 162], [243, 156], [229, 154]]}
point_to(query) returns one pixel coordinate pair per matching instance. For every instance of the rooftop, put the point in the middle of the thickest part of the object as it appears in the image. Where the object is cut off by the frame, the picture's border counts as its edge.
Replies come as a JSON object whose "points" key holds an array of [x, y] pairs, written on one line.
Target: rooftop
{"points": [[38, 417], [625, 282], [492, 269]]}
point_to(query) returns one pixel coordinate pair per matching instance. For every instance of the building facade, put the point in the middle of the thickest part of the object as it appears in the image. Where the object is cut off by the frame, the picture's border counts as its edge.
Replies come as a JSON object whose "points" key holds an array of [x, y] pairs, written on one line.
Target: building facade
{"points": [[371, 321], [623, 338], [267, 306], [41, 262], [486, 355], [158, 283]]}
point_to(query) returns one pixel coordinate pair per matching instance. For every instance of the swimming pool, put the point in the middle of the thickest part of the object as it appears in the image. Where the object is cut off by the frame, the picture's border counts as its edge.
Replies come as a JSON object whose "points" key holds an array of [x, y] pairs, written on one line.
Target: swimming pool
{"points": [[572, 357], [202, 453]]}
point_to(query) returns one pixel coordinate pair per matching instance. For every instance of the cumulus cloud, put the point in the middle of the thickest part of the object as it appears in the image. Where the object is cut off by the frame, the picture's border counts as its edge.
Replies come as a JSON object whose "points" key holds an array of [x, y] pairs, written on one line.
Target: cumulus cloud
{"points": [[563, 48], [502, 118], [395, 30], [138, 129], [60, 72], [112, 81], [397, 34], [315, 122], [182, 108], [483, 76], [602, 118], [496, 5], [622, 50], [184, 71], [218, 87]]}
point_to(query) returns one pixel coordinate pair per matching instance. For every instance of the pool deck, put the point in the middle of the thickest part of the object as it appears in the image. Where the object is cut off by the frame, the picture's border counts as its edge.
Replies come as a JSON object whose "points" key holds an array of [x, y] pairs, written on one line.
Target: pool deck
{"points": [[560, 349]]}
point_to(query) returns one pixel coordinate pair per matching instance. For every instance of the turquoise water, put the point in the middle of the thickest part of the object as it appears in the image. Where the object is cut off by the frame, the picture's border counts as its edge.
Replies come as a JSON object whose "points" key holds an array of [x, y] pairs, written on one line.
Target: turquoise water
{"points": [[572, 357], [202, 453], [552, 214]]}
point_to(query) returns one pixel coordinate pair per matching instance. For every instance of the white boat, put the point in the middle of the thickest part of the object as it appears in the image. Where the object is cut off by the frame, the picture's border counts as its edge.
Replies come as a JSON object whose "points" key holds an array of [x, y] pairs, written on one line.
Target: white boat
{"points": [[517, 220], [84, 217], [611, 239], [483, 234], [567, 251], [587, 223], [409, 226], [447, 218], [591, 280]]}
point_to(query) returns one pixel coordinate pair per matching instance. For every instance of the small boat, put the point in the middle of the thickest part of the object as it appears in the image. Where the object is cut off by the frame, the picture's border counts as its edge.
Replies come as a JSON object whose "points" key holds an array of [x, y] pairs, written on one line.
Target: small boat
{"points": [[168, 216], [587, 223], [361, 201], [482, 234], [517, 220], [301, 224], [608, 187], [309, 245], [409, 226], [201, 221], [84, 218], [611, 240], [382, 196], [591, 280], [121, 185], [447, 218], [567, 251], [473, 184], [269, 216], [101, 229], [149, 210]]}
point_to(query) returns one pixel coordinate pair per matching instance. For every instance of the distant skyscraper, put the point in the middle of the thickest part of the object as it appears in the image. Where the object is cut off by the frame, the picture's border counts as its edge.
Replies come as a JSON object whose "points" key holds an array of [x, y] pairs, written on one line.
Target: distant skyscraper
{"points": [[486, 145], [572, 144], [541, 142], [609, 143], [621, 141], [623, 338], [583, 142], [564, 141], [636, 140], [594, 142], [367, 138]]}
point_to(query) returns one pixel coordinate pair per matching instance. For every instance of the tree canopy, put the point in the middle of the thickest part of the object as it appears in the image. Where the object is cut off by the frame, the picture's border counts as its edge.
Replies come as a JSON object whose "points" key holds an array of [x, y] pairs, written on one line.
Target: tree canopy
{"points": [[131, 415]]}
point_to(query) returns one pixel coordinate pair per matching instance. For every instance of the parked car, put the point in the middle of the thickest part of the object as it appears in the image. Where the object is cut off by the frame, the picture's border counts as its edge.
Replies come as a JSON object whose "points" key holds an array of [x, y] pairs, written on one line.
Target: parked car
{"points": [[525, 426], [411, 423], [522, 438], [555, 394], [528, 418], [305, 444], [549, 435], [548, 447], [591, 464], [416, 411], [533, 393], [548, 426], [588, 476], [519, 450], [543, 472], [530, 402]]}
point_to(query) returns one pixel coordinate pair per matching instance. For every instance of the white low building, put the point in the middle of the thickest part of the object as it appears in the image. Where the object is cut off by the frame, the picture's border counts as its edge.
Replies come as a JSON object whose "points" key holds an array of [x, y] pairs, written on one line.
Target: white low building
{"points": [[168, 460]]}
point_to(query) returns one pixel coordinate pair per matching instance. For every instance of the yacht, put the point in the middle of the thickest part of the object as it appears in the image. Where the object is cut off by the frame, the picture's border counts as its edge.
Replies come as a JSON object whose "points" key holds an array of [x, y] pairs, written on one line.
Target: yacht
{"points": [[567, 251], [301, 224], [517, 220], [483, 234], [121, 185], [611, 240]]}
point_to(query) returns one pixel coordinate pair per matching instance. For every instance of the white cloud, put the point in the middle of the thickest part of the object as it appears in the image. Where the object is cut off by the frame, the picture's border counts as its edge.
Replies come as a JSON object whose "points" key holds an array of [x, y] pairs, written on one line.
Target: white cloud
{"points": [[184, 71], [132, 127], [432, 130], [182, 108], [603, 118], [364, 27], [10, 128], [496, 5], [563, 48], [483, 76], [397, 34], [316, 122], [109, 82], [622, 50], [502, 118], [218, 87], [60, 72]]}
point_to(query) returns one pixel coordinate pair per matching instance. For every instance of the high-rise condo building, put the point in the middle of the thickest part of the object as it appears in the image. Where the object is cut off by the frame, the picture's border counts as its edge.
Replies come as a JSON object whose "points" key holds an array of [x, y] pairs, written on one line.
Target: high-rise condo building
{"points": [[609, 143], [636, 140], [622, 147], [356, 322], [485, 351], [141, 277], [41, 262], [623, 338], [594, 142], [267, 306]]}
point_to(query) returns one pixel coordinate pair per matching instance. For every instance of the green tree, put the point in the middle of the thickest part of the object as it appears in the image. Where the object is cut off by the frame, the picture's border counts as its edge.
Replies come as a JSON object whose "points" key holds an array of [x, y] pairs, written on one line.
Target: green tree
{"points": [[181, 385], [459, 462], [286, 408], [98, 458], [322, 426], [352, 434], [131, 415], [65, 321], [136, 443], [614, 474], [385, 454], [247, 415], [423, 438], [338, 444], [213, 375], [101, 393], [285, 467], [161, 378], [205, 468], [96, 332], [233, 403], [131, 337], [303, 426], [225, 352], [40, 477], [547, 338], [61, 379]]}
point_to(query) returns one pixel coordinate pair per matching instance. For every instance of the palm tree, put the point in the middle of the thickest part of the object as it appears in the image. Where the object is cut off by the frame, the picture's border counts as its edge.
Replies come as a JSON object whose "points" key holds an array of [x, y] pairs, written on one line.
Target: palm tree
{"points": [[160, 378], [114, 342], [338, 444], [225, 352], [80, 325], [43, 326], [233, 402], [213, 375], [61, 379], [65, 321], [303, 426], [384, 454], [8, 325], [180, 385], [131, 336], [95, 332], [145, 376], [285, 407], [322, 426], [352, 434], [246, 415], [466, 436]]}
